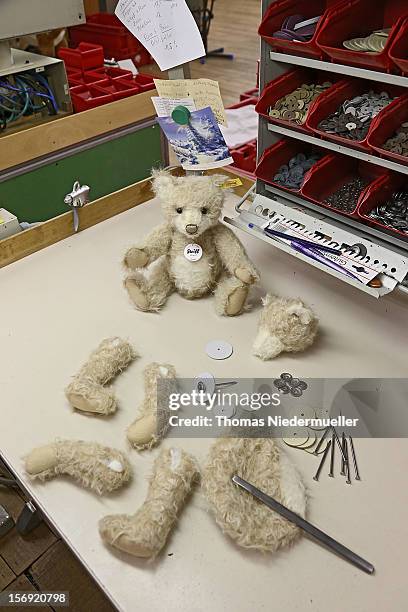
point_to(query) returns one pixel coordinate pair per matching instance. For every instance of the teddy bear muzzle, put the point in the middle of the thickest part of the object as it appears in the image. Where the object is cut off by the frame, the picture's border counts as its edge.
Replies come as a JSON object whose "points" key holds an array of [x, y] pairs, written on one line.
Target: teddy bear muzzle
{"points": [[191, 228]]}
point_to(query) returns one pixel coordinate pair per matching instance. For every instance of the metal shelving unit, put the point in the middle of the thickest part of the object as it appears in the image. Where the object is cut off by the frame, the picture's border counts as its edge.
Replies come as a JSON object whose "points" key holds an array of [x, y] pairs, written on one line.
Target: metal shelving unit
{"points": [[384, 246]]}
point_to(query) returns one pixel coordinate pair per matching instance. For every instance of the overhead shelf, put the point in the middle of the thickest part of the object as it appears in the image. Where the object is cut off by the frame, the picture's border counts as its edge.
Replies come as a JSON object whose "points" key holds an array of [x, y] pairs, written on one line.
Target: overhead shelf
{"points": [[372, 75], [325, 144]]}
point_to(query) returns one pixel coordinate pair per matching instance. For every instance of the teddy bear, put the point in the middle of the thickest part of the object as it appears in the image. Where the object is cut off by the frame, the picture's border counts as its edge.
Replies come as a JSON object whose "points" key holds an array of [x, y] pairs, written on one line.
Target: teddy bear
{"points": [[191, 252], [285, 325]]}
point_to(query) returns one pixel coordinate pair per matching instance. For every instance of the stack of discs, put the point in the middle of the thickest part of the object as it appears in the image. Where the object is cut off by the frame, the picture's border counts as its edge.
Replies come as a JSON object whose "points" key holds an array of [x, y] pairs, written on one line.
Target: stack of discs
{"points": [[295, 105], [374, 43]]}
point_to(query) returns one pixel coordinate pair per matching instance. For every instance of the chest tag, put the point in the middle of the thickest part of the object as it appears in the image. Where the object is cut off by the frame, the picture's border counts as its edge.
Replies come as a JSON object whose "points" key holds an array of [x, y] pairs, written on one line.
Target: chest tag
{"points": [[193, 252]]}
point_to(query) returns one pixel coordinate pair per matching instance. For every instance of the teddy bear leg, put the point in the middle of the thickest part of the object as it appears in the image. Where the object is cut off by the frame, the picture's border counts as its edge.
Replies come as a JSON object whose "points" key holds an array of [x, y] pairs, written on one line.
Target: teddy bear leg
{"points": [[149, 293], [145, 533], [92, 465], [230, 296], [153, 420]]}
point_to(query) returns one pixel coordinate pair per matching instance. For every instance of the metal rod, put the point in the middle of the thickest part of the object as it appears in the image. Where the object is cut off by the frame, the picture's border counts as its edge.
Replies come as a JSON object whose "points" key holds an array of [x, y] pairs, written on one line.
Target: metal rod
{"points": [[343, 461], [331, 473], [244, 197], [326, 431], [323, 459], [339, 444], [315, 532], [347, 464], [353, 454]]}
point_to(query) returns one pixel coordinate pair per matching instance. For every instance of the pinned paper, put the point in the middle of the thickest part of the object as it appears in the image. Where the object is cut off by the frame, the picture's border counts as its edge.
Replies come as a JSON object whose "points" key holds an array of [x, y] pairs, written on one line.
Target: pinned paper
{"points": [[127, 64], [204, 92], [199, 144], [165, 106], [166, 28]]}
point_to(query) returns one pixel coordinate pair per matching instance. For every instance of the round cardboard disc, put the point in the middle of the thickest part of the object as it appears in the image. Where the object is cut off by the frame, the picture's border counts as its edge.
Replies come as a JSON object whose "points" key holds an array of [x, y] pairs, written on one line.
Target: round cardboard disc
{"points": [[219, 349]]}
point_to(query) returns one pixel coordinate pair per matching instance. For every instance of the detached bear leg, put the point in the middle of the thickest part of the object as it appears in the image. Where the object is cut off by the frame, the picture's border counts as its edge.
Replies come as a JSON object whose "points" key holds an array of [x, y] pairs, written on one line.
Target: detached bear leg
{"points": [[150, 293], [230, 296]]}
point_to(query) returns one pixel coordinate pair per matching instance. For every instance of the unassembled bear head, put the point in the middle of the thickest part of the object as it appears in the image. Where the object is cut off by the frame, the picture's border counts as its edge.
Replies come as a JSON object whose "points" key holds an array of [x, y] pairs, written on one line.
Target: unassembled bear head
{"points": [[191, 204]]}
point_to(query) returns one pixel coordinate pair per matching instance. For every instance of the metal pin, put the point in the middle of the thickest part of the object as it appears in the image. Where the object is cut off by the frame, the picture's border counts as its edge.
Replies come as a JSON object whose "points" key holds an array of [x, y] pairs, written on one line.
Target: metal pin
{"points": [[331, 473], [347, 464], [326, 431], [319, 469], [353, 454], [336, 437], [343, 460]]}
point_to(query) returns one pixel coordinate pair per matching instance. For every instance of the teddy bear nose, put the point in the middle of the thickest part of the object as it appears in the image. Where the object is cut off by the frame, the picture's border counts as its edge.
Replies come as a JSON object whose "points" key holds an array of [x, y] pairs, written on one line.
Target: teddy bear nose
{"points": [[191, 228]]}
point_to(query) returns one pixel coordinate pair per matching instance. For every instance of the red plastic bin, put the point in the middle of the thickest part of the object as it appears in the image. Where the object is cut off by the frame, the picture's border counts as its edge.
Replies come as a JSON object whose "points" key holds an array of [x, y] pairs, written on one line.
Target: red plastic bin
{"points": [[108, 31], [285, 84], [385, 125], [112, 72], [244, 157], [85, 97], [330, 101], [84, 57], [277, 13], [360, 18], [380, 192], [399, 48], [279, 154], [332, 172], [248, 95]]}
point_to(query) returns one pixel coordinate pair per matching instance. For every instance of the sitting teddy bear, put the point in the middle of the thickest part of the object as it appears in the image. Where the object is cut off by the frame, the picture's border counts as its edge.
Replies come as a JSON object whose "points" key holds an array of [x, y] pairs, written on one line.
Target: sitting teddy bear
{"points": [[196, 254]]}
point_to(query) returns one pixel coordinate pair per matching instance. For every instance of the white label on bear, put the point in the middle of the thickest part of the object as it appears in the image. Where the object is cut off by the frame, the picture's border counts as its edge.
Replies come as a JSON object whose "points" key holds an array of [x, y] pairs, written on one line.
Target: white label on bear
{"points": [[193, 252]]}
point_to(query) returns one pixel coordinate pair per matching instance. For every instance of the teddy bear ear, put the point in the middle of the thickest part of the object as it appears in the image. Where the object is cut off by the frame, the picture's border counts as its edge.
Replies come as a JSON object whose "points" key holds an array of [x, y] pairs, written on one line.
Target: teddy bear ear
{"points": [[162, 180], [269, 299], [305, 315]]}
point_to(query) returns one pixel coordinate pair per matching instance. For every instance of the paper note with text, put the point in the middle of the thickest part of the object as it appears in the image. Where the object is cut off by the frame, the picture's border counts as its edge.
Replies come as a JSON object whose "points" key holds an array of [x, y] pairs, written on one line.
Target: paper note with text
{"points": [[204, 92], [165, 106], [165, 27]]}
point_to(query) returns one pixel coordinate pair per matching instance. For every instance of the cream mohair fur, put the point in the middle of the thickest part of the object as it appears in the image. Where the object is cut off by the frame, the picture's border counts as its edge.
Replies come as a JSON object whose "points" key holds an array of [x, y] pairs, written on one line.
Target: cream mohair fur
{"points": [[263, 463], [145, 533], [152, 422], [92, 465], [224, 267], [285, 325], [86, 392]]}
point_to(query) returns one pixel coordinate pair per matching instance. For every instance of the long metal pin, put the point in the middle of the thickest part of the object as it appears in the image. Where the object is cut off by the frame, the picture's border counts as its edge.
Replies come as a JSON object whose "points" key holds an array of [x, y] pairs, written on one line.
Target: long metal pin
{"points": [[339, 443], [347, 464], [323, 459], [331, 473], [353, 454], [326, 431], [313, 531], [343, 460]]}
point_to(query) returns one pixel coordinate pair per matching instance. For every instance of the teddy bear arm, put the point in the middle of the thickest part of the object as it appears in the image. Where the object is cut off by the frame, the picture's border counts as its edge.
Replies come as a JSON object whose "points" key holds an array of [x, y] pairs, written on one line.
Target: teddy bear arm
{"points": [[233, 255], [153, 246]]}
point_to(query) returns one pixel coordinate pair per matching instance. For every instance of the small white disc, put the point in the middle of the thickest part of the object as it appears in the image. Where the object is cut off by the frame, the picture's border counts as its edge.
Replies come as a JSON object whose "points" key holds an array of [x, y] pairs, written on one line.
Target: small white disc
{"points": [[219, 349], [205, 382], [226, 411], [193, 252]]}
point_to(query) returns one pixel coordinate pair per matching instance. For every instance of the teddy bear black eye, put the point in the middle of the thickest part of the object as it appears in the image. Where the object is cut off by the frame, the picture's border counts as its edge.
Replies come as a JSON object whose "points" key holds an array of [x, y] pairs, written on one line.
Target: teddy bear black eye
{"points": [[204, 211], [179, 211]]}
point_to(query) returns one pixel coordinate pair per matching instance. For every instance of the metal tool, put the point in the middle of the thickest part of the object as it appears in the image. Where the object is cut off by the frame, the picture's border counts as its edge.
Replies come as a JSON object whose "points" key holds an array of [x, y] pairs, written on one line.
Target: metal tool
{"points": [[78, 197], [323, 459], [313, 531], [347, 464], [206, 383], [326, 431], [331, 473], [353, 454], [343, 461], [336, 437]]}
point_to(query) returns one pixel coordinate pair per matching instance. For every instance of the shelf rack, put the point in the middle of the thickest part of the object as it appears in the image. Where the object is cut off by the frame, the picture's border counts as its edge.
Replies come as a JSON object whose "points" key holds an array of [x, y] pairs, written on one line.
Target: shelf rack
{"points": [[272, 65]]}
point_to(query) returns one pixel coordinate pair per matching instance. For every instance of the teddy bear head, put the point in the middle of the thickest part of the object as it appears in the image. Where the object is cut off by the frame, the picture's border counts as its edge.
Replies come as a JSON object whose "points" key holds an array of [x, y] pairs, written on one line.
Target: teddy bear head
{"points": [[191, 204]]}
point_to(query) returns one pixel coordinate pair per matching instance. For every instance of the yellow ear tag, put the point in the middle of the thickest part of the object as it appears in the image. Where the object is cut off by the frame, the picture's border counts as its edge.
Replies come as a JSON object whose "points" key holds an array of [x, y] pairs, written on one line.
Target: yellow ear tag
{"points": [[231, 183]]}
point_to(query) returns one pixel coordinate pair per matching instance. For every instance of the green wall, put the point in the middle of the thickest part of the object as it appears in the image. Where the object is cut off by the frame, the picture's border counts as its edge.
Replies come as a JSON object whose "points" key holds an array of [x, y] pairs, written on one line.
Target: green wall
{"points": [[39, 195]]}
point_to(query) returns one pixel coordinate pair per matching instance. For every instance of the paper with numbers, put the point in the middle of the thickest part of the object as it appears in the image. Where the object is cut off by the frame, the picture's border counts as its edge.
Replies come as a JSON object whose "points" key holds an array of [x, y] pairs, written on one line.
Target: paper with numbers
{"points": [[204, 92], [165, 27]]}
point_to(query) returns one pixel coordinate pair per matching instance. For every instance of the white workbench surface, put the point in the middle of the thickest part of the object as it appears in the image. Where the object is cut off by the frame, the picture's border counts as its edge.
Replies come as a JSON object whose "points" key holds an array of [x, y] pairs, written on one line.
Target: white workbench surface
{"points": [[56, 306]]}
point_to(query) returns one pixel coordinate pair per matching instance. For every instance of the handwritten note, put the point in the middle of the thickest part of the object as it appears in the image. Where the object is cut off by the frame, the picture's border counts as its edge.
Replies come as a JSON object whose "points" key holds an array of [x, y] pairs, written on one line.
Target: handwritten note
{"points": [[165, 106], [204, 92], [165, 27]]}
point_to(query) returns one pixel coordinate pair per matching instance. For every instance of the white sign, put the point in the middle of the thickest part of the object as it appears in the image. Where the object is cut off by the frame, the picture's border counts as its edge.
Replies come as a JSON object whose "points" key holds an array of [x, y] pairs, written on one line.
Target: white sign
{"points": [[165, 106], [165, 27]]}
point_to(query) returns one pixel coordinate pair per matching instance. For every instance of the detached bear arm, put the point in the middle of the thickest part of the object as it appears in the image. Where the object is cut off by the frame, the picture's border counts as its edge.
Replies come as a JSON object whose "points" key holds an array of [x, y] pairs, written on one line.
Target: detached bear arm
{"points": [[153, 246], [233, 255]]}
